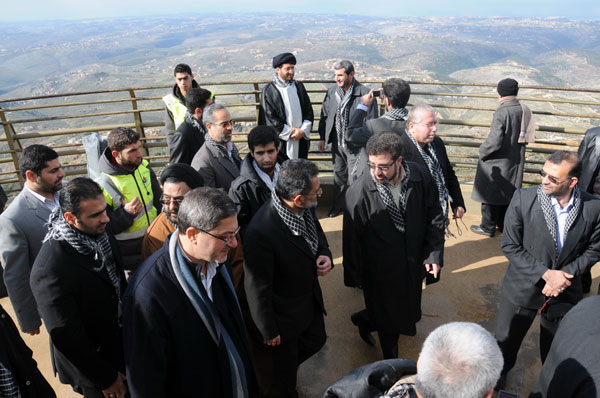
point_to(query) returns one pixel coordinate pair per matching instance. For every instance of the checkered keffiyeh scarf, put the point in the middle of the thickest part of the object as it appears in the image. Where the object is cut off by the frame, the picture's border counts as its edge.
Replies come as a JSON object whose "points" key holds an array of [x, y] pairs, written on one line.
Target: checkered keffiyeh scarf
{"points": [[396, 211], [299, 226], [397, 114], [433, 164], [8, 385], [98, 246], [192, 120], [343, 113], [235, 158], [280, 83], [550, 217]]}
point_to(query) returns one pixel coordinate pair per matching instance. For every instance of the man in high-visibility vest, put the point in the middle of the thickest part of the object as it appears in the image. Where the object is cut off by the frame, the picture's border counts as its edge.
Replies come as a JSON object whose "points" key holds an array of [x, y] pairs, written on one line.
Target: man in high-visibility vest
{"points": [[175, 108], [131, 190]]}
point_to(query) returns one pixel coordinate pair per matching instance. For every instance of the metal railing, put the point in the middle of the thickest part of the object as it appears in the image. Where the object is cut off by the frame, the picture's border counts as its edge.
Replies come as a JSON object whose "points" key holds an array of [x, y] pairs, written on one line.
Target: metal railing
{"points": [[562, 116]]}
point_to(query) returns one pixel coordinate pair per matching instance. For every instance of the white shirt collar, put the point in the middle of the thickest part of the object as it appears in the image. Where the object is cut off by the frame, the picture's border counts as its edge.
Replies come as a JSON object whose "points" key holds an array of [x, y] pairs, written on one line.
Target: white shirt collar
{"points": [[555, 203], [51, 204]]}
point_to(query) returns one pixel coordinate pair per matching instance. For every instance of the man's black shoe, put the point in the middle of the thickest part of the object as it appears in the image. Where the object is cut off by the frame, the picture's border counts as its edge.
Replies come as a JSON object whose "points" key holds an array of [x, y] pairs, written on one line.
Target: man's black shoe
{"points": [[478, 230], [365, 335], [501, 384], [335, 213]]}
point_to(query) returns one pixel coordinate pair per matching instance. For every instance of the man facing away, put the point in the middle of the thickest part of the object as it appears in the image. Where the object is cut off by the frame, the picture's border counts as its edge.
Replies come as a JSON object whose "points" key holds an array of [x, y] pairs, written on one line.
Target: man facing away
{"points": [[258, 176], [285, 106], [395, 93], [551, 236], [218, 161], [285, 252], [502, 158], [23, 227], [183, 330], [175, 108], [177, 180], [339, 107], [78, 283], [189, 136], [131, 190], [393, 236]]}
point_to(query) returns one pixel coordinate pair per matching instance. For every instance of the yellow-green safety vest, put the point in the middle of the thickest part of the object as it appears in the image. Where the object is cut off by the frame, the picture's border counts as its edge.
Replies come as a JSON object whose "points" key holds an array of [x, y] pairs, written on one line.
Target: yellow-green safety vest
{"points": [[176, 108], [138, 184]]}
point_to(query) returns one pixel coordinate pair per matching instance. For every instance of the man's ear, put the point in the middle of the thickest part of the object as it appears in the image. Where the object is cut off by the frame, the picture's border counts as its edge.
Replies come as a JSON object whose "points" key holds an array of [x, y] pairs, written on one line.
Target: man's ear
{"points": [[298, 200], [115, 154], [191, 233], [573, 182], [70, 218], [31, 176]]}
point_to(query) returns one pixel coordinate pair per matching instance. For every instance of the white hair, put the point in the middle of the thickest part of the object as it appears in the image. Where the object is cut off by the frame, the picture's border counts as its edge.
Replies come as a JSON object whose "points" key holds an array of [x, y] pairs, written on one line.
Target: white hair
{"points": [[459, 359], [416, 113]]}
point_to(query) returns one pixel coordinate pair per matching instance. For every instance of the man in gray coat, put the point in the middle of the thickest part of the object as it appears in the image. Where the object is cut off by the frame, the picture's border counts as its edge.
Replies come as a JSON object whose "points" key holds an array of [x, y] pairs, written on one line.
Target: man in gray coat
{"points": [[338, 109], [501, 161], [218, 160], [23, 226]]}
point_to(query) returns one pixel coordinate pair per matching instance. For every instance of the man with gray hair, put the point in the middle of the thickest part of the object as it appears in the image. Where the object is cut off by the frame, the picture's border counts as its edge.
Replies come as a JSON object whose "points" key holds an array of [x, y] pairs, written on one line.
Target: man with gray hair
{"points": [[183, 328], [285, 251], [339, 107], [218, 160]]}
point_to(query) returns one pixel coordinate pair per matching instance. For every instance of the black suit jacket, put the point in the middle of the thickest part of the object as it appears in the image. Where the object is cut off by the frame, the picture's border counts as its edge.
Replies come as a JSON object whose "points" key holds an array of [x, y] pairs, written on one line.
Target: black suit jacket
{"points": [[80, 309], [280, 274], [589, 153], [184, 143], [411, 153], [529, 247]]}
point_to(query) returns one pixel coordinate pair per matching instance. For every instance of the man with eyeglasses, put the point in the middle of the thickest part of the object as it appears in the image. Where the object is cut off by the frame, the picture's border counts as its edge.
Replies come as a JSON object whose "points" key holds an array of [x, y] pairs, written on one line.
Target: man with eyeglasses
{"points": [[183, 330], [393, 237], [218, 160], [177, 180], [551, 236], [285, 252]]}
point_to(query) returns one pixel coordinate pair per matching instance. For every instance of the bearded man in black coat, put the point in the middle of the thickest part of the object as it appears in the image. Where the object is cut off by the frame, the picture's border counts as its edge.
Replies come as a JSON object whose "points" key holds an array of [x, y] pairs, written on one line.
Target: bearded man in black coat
{"points": [[393, 238]]}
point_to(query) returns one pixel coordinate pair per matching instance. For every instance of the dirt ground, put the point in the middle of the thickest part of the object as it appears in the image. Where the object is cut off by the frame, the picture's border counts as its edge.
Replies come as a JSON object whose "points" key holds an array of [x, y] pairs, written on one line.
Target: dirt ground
{"points": [[468, 291]]}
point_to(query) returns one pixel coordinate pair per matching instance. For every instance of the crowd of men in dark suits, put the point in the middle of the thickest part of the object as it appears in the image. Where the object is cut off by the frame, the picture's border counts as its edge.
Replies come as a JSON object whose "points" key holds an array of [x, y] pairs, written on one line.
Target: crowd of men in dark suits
{"points": [[227, 300]]}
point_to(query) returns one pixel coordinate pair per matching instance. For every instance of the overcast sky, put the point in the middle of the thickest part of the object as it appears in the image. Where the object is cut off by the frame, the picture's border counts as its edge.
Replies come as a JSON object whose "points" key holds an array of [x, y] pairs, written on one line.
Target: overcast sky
{"points": [[23, 10]]}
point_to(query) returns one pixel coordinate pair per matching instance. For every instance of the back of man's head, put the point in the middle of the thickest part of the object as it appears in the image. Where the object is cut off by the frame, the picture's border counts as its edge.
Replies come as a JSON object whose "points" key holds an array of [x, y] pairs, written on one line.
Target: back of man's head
{"points": [[459, 359], [262, 135], [76, 190], [204, 208], [197, 98], [121, 137], [182, 68], [295, 178], [398, 92], [35, 158]]}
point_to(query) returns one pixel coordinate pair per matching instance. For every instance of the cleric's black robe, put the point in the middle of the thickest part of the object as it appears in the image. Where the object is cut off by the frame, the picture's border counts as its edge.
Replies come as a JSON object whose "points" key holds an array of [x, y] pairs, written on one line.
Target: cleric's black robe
{"points": [[388, 264]]}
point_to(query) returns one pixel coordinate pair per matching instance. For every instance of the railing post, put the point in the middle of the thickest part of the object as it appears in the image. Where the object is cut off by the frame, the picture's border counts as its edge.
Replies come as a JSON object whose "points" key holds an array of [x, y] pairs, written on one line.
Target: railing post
{"points": [[137, 117], [257, 100], [13, 144]]}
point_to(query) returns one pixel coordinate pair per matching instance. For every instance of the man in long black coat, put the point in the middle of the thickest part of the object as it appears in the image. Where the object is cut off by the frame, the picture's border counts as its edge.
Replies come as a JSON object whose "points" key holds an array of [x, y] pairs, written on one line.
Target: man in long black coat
{"points": [[393, 237], [547, 254], [77, 282], [183, 330], [285, 251]]}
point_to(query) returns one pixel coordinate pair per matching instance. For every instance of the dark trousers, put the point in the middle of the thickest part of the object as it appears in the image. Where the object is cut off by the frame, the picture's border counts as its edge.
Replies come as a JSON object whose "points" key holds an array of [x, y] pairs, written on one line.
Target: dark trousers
{"points": [[302, 151], [512, 326], [388, 341], [340, 173], [293, 350], [492, 216]]}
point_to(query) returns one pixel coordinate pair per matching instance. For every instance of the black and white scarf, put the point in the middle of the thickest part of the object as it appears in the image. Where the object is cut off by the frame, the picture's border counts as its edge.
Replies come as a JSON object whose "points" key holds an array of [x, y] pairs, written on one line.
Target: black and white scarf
{"points": [[97, 246], [396, 211], [235, 158], [299, 226], [208, 314], [550, 216], [397, 114], [192, 120], [343, 113], [280, 83], [435, 169]]}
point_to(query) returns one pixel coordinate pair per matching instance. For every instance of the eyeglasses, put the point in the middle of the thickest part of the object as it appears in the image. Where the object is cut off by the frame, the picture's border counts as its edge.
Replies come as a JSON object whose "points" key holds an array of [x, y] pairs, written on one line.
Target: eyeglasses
{"points": [[384, 167], [226, 123], [429, 125], [167, 200], [318, 192], [226, 240], [553, 179]]}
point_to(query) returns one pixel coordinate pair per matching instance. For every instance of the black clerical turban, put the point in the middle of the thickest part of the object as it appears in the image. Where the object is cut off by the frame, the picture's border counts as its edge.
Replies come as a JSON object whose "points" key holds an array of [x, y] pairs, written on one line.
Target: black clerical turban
{"points": [[285, 58], [182, 172], [508, 87]]}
